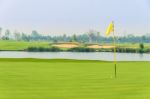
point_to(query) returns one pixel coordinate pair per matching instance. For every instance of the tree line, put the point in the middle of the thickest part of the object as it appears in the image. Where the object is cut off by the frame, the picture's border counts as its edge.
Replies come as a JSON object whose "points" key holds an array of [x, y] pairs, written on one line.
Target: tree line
{"points": [[89, 37]]}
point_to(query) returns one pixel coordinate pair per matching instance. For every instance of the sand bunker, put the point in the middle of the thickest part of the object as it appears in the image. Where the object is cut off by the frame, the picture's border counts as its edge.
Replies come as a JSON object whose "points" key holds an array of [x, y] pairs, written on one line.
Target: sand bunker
{"points": [[73, 45], [67, 45], [100, 46]]}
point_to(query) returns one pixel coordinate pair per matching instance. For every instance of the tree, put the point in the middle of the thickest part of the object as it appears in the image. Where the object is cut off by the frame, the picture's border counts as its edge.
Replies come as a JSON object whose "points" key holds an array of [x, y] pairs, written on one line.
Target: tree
{"points": [[7, 35], [0, 32], [98, 37], [55, 41], [35, 35], [143, 38], [25, 37], [17, 36], [74, 38], [92, 36], [64, 37], [141, 46]]}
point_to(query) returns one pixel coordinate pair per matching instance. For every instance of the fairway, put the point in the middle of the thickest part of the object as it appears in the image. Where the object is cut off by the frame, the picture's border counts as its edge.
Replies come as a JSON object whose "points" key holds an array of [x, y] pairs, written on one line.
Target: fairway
{"points": [[71, 79]]}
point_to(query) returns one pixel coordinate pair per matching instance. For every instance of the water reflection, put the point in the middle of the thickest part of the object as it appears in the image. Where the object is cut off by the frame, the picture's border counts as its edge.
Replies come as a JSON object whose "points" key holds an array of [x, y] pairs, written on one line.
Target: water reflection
{"points": [[141, 55], [108, 56]]}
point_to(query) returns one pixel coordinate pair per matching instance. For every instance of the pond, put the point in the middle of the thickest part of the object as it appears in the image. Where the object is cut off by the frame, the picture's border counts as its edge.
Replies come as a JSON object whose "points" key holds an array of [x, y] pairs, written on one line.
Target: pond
{"points": [[107, 56]]}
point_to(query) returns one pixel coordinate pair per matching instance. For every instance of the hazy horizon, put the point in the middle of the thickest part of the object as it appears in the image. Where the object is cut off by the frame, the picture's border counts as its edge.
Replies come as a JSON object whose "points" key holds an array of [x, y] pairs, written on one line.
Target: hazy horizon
{"points": [[75, 16]]}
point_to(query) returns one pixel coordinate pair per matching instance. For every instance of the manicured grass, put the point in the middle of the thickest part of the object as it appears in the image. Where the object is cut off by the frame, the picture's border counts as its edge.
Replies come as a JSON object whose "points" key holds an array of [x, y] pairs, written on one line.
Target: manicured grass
{"points": [[132, 45], [21, 45], [72, 79]]}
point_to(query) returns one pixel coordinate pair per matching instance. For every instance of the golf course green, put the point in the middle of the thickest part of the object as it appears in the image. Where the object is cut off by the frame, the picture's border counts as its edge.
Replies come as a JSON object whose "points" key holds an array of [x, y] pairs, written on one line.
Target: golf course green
{"points": [[73, 79]]}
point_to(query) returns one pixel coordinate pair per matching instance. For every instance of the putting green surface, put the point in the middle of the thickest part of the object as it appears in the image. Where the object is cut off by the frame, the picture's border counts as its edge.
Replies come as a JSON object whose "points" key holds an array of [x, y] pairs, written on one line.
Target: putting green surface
{"points": [[70, 79]]}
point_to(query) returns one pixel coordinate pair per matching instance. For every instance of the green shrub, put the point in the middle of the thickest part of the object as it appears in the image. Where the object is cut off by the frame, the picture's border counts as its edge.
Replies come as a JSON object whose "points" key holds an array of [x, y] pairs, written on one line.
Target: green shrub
{"points": [[126, 50], [42, 49], [141, 45], [81, 49]]}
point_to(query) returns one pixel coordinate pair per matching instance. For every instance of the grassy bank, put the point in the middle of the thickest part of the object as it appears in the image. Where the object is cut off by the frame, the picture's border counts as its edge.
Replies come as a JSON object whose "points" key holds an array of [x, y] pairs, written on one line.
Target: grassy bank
{"points": [[20, 45], [7, 45], [73, 79]]}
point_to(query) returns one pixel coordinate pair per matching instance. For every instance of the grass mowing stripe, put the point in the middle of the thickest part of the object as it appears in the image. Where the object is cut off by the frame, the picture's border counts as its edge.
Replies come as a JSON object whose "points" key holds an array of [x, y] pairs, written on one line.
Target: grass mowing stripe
{"points": [[73, 79]]}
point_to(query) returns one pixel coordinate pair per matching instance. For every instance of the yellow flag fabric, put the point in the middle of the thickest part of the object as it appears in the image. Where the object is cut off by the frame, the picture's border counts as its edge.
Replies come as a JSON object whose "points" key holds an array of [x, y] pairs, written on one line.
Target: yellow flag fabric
{"points": [[110, 29]]}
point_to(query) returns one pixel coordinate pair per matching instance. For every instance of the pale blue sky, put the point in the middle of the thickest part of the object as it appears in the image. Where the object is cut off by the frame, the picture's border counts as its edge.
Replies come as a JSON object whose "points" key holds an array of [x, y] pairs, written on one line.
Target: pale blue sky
{"points": [[75, 16]]}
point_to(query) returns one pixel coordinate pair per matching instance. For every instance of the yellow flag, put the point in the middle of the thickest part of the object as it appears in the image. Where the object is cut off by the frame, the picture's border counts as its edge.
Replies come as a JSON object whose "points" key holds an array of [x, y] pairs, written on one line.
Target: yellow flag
{"points": [[110, 28]]}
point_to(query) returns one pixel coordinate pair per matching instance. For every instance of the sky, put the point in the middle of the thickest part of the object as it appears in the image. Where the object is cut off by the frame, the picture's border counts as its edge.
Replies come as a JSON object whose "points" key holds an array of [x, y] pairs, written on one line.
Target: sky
{"points": [[56, 17]]}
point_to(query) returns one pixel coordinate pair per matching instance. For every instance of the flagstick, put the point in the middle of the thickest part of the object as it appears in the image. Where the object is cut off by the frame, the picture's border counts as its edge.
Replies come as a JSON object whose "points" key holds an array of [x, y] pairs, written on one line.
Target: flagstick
{"points": [[115, 57]]}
